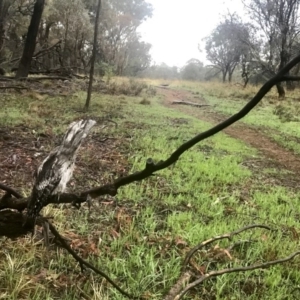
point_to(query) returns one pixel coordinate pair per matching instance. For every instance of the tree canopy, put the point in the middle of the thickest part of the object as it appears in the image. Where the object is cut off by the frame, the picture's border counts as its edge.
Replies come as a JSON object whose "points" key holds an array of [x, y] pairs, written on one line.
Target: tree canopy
{"points": [[260, 47], [65, 35]]}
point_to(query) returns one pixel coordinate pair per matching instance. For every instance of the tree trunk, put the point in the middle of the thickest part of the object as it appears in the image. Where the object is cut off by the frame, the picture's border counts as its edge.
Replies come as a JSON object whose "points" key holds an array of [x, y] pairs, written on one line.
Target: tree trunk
{"points": [[25, 62], [45, 44], [246, 80], [224, 73], [4, 6], [89, 92], [2, 35], [280, 90], [230, 71], [65, 49]]}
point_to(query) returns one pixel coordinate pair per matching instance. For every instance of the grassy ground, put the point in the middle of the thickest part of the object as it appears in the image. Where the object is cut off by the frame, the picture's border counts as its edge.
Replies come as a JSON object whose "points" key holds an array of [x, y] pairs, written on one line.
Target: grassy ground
{"points": [[140, 239], [279, 119]]}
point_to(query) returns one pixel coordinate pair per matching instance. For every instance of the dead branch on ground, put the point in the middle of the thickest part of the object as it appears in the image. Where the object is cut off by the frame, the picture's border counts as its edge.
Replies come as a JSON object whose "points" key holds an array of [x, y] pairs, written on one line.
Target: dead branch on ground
{"points": [[227, 271], [180, 288], [39, 53], [228, 236], [6, 78], [163, 87], [189, 103]]}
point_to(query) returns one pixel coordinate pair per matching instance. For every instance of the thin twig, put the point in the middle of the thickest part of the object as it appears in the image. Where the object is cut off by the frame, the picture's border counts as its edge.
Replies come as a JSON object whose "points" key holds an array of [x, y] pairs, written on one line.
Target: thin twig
{"points": [[189, 103], [233, 270], [82, 262], [227, 236], [10, 191]]}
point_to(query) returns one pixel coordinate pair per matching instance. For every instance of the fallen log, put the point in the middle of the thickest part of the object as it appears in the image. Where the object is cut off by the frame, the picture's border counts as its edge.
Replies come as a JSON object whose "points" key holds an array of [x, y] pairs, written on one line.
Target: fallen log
{"points": [[189, 103], [162, 87]]}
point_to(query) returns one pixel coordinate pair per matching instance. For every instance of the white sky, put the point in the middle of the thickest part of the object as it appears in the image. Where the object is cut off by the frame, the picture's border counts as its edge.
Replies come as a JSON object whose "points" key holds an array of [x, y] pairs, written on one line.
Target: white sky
{"points": [[177, 27]]}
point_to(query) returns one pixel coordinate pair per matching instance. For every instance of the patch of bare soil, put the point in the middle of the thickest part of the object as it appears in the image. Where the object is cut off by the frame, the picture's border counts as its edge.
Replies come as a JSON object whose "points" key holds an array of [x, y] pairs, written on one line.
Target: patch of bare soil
{"points": [[274, 155], [100, 158]]}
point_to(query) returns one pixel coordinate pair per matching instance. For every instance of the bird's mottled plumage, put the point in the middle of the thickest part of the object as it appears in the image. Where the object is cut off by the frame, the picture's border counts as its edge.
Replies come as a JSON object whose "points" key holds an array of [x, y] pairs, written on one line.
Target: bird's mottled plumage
{"points": [[57, 168]]}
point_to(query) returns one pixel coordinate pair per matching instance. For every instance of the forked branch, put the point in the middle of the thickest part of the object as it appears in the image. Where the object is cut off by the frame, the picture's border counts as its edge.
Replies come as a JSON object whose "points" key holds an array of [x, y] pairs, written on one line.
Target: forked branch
{"points": [[152, 167], [232, 270], [227, 236], [180, 288]]}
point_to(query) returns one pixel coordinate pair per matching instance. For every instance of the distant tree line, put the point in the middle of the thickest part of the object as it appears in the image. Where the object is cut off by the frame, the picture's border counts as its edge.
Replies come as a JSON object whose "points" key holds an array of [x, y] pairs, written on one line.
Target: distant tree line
{"points": [[194, 70], [65, 35]]}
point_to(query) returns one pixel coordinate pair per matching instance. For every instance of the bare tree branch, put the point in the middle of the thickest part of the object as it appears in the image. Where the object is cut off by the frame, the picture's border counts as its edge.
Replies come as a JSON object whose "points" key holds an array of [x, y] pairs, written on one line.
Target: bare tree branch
{"points": [[233, 270], [10, 191], [151, 167], [21, 203], [83, 263], [290, 78], [221, 237], [178, 290], [111, 189], [189, 103]]}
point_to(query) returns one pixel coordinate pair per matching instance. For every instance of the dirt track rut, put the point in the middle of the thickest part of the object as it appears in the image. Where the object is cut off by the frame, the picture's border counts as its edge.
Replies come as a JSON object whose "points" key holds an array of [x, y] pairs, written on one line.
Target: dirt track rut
{"points": [[248, 134]]}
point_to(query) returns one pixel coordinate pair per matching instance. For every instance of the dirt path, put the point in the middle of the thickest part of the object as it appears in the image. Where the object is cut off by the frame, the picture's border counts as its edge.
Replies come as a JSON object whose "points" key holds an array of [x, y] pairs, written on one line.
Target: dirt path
{"points": [[248, 134]]}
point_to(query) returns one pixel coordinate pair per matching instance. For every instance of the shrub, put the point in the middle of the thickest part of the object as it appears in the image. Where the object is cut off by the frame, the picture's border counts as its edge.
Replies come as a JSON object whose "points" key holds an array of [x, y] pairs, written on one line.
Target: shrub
{"points": [[130, 87], [145, 101]]}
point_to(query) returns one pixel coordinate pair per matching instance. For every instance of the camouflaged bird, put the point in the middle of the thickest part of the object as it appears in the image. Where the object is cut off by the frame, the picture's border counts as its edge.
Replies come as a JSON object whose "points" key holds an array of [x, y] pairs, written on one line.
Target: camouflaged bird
{"points": [[57, 168]]}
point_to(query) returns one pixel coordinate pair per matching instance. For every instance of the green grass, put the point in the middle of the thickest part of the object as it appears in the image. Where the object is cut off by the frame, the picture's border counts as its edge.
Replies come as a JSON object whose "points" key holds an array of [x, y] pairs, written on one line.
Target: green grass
{"points": [[278, 119], [141, 240]]}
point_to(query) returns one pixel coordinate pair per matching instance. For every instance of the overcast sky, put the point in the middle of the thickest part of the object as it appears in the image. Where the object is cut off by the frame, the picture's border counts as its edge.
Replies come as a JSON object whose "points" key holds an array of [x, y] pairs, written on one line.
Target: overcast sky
{"points": [[177, 27]]}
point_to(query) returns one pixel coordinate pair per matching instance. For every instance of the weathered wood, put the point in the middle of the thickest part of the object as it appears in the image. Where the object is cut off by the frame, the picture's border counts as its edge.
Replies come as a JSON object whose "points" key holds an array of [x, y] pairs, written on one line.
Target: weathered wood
{"points": [[162, 87], [189, 103], [57, 168]]}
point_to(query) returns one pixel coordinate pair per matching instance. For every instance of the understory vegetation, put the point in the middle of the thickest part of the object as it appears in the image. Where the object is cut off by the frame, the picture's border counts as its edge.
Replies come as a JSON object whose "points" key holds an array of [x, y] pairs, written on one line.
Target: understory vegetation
{"points": [[141, 236]]}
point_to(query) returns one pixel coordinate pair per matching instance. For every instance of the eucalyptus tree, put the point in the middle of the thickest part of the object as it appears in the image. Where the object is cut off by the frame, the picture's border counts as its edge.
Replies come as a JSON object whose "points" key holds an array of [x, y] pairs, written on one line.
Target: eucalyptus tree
{"points": [[29, 47], [225, 46], [5, 6], [69, 22], [118, 34], [13, 26], [277, 23], [93, 58], [137, 58], [65, 36], [193, 70]]}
